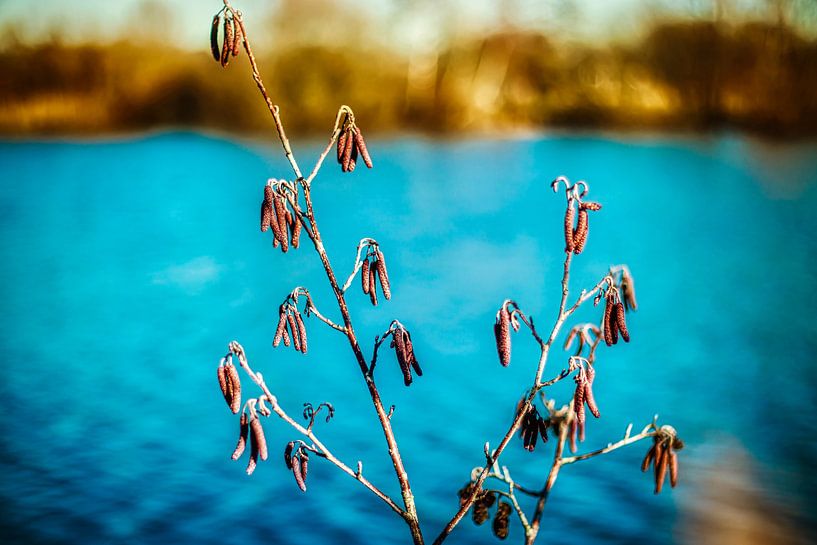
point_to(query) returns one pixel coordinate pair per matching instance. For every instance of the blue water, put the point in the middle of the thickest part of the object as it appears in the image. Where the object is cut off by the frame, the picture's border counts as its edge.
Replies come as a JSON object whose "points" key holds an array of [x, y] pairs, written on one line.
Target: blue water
{"points": [[127, 266]]}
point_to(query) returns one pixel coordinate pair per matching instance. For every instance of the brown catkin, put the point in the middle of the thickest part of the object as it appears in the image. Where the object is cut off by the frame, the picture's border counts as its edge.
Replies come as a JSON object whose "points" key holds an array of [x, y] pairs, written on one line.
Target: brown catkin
{"points": [[222, 384], [501, 523], [465, 492], [588, 392], [287, 342], [590, 205], [238, 37], [621, 324], [502, 332], [288, 223], [383, 274], [361, 146], [253, 462], [242, 437], [280, 214], [304, 464], [266, 214], [301, 330], [279, 331], [578, 397], [373, 284], [296, 232], [661, 469], [258, 437], [353, 158], [347, 150], [580, 234], [234, 383], [608, 327], [227, 44], [673, 468], [571, 434], [341, 146], [570, 213], [288, 454], [628, 291], [648, 458], [293, 328], [402, 356], [413, 361], [364, 275], [214, 37], [296, 472], [274, 222]]}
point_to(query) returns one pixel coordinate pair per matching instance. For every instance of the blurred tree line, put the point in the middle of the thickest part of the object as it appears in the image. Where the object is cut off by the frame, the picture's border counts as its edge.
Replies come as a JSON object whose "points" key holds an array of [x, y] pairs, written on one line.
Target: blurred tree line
{"points": [[689, 74]]}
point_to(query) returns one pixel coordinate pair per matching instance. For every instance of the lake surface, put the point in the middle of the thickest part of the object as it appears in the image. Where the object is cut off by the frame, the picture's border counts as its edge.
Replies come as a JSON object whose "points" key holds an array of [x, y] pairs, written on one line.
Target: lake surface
{"points": [[127, 266]]}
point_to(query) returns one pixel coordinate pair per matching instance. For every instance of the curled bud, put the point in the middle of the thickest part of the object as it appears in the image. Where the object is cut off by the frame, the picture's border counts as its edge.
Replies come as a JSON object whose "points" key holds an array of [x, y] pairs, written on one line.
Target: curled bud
{"points": [[382, 274], [621, 324], [258, 437], [280, 330], [364, 275], [360, 144], [234, 387], [214, 37], [570, 213], [503, 336], [296, 472], [242, 437], [580, 233]]}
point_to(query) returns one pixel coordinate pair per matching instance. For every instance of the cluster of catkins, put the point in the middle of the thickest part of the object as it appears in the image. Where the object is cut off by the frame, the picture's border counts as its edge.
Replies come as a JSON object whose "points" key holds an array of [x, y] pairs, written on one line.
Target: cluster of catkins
{"points": [[480, 513], [533, 426], [285, 226], [576, 238], [404, 350], [290, 323], [232, 37], [583, 395], [258, 444], [502, 333], [373, 272], [297, 462], [663, 457], [614, 320], [229, 383], [350, 143]]}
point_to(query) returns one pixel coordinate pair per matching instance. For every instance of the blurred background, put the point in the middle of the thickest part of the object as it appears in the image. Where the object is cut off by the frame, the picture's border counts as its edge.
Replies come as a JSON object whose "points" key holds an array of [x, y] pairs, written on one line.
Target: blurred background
{"points": [[130, 256]]}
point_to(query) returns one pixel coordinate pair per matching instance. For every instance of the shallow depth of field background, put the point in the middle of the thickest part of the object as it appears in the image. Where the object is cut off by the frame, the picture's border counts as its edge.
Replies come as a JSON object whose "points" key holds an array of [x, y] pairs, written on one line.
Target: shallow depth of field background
{"points": [[130, 255]]}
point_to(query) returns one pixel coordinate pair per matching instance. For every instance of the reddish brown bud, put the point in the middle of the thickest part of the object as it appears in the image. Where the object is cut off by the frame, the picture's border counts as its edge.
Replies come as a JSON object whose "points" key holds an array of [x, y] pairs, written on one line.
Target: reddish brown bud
{"points": [[293, 328], [570, 213], [227, 44], [648, 458], [301, 330], [234, 387], [502, 333], [621, 324], [580, 233], [341, 146], [590, 205], [258, 437], [279, 331], [360, 144], [673, 468], [242, 437], [347, 150], [238, 38], [288, 454], [373, 283], [588, 392], [214, 38], [296, 472], [280, 214], [364, 275], [383, 274]]}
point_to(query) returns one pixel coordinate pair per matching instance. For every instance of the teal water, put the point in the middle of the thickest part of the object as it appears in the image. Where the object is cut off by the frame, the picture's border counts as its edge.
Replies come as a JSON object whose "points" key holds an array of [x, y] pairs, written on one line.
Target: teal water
{"points": [[127, 266]]}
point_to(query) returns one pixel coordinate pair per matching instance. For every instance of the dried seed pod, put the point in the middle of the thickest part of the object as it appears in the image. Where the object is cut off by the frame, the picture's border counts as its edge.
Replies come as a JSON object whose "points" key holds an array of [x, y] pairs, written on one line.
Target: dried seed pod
{"points": [[280, 330], [293, 328], [501, 520], [258, 437], [360, 144], [621, 324], [342, 145], [234, 385], [304, 464], [673, 468], [238, 38], [580, 234], [661, 469], [288, 454], [364, 275], [382, 273], [502, 333], [570, 214], [628, 291], [373, 283], [280, 214], [590, 205], [402, 356], [588, 392], [347, 150], [214, 37], [242, 437], [227, 44], [296, 472], [301, 330], [222, 384], [648, 458], [608, 327]]}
